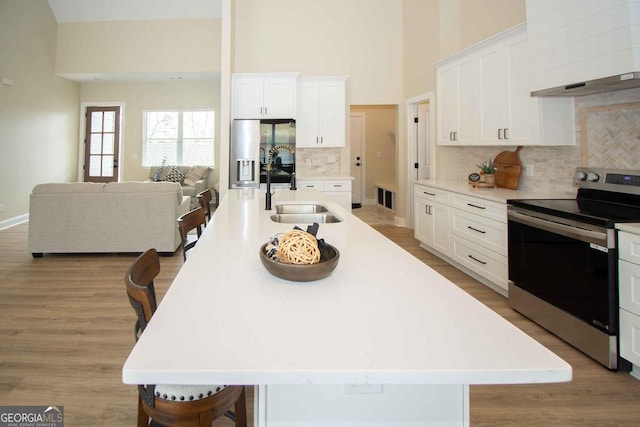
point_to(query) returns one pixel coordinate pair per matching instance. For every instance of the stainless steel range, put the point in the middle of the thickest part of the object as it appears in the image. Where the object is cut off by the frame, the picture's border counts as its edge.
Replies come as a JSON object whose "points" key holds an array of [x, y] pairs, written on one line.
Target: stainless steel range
{"points": [[563, 260]]}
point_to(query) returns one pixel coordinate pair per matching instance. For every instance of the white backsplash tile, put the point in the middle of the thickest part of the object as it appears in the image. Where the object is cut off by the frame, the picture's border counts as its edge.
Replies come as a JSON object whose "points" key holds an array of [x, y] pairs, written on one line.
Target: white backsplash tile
{"points": [[612, 124], [317, 162]]}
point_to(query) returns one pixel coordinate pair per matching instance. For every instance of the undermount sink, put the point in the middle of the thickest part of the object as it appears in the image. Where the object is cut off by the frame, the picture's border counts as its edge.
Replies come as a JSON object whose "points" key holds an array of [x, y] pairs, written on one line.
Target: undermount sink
{"points": [[300, 209], [303, 213], [309, 218]]}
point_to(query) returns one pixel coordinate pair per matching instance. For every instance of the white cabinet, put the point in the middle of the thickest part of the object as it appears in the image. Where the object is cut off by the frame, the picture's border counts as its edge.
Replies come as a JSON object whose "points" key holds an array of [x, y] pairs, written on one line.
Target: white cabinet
{"points": [[508, 114], [467, 231], [629, 296], [431, 218], [338, 190], [321, 112], [264, 96], [483, 98], [457, 102]]}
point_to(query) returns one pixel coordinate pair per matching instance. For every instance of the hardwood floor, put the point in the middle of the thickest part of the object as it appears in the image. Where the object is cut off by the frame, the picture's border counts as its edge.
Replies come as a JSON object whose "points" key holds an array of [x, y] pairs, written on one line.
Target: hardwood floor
{"points": [[66, 328]]}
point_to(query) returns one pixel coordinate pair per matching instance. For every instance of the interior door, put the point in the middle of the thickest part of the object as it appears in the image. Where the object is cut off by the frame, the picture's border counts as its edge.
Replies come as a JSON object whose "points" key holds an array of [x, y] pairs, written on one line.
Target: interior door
{"points": [[357, 133], [422, 142], [102, 144]]}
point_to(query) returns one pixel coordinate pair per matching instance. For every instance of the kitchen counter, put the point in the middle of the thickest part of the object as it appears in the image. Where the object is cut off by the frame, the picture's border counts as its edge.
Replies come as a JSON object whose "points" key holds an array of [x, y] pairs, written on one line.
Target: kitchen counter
{"points": [[630, 227], [499, 195], [382, 317], [324, 177]]}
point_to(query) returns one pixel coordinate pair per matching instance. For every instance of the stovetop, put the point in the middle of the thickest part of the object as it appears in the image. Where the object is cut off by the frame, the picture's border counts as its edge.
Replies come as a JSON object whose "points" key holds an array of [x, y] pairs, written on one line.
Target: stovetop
{"points": [[605, 197]]}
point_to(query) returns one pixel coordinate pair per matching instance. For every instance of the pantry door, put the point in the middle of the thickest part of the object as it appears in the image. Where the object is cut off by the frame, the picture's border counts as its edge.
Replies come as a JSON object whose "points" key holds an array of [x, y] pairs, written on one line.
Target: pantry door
{"points": [[102, 144]]}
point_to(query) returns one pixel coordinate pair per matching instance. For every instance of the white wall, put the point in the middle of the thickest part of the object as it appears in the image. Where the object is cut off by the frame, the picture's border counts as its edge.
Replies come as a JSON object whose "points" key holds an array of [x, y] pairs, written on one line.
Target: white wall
{"points": [[39, 112], [130, 47], [361, 39]]}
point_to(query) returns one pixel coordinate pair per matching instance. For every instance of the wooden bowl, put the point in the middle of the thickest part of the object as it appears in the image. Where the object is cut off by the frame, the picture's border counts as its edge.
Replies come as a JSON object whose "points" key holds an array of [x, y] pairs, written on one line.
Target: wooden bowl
{"points": [[302, 272]]}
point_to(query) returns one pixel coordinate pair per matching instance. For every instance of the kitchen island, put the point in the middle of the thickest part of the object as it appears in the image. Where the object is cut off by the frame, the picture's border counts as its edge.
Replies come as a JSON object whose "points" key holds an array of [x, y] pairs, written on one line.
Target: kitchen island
{"points": [[383, 341]]}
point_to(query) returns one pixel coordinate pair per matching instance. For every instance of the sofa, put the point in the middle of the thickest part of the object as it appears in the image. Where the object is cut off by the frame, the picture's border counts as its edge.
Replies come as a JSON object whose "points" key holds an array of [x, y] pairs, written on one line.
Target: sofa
{"points": [[86, 217], [193, 179]]}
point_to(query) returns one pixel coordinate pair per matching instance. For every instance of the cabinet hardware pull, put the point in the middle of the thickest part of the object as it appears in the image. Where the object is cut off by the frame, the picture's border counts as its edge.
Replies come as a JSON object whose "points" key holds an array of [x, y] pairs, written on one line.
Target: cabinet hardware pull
{"points": [[477, 260], [265, 111], [476, 206], [475, 229], [317, 139], [455, 136], [322, 140], [260, 110], [337, 185], [505, 133], [429, 194], [450, 136], [499, 133]]}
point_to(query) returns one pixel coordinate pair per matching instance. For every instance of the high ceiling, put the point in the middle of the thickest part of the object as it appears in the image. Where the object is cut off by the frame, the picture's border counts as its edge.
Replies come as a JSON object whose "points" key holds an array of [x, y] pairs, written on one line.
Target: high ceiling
{"points": [[128, 10]]}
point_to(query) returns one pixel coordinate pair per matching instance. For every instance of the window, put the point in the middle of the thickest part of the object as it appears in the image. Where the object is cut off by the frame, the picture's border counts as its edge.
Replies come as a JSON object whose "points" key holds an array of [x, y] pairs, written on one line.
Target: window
{"points": [[184, 138]]}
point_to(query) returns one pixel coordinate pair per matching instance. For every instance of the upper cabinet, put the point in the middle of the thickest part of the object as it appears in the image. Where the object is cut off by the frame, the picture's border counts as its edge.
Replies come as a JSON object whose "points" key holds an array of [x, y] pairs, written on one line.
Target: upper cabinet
{"points": [[483, 98], [321, 112], [264, 96], [457, 92]]}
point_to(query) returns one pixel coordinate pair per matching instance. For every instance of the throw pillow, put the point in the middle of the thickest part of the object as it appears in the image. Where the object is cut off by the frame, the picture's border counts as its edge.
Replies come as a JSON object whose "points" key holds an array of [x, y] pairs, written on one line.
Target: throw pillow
{"points": [[174, 175], [194, 174]]}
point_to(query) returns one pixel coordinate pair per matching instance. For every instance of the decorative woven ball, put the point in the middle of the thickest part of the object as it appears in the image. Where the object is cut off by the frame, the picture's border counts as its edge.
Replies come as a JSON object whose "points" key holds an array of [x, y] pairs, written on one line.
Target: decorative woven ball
{"points": [[298, 247]]}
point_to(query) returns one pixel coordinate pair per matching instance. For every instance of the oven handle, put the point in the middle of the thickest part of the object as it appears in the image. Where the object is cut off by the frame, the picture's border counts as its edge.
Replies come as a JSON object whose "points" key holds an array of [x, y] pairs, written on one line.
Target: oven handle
{"points": [[589, 236]]}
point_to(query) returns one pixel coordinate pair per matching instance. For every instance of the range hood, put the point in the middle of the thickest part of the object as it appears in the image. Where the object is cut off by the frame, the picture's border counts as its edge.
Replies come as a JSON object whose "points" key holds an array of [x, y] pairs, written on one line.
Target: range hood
{"points": [[581, 47], [605, 84]]}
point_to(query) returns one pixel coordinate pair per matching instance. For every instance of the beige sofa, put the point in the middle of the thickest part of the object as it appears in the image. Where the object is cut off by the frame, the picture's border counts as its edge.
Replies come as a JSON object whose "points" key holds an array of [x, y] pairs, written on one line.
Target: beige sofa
{"points": [[190, 186], [114, 217]]}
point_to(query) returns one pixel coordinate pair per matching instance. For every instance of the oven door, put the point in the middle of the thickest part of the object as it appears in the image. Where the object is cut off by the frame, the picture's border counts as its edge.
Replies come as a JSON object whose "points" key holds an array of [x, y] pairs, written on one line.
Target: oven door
{"points": [[568, 264]]}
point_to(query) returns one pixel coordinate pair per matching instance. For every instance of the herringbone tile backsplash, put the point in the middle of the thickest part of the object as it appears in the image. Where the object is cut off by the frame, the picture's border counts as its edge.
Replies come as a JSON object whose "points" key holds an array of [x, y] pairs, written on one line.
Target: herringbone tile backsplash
{"points": [[612, 124]]}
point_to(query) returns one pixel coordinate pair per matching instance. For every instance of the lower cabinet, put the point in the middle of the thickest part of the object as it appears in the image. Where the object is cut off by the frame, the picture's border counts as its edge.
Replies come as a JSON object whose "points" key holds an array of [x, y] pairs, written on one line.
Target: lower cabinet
{"points": [[467, 231], [338, 190], [629, 290], [432, 224]]}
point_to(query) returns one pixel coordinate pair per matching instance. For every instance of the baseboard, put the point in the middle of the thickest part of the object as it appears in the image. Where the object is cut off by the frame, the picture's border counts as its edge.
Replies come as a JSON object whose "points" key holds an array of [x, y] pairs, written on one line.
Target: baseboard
{"points": [[8, 223]]}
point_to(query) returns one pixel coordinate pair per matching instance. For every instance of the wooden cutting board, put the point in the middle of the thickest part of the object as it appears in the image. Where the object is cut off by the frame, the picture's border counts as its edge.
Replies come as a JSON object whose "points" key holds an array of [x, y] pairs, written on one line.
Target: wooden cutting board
{"points": [[508, 166]]}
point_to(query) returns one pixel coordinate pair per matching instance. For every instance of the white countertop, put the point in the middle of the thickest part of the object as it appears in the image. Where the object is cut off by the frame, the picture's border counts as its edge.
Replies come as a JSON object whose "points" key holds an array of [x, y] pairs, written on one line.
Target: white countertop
{"points": [[382, 317], [499, 195], [324, 177], [631, 227]]}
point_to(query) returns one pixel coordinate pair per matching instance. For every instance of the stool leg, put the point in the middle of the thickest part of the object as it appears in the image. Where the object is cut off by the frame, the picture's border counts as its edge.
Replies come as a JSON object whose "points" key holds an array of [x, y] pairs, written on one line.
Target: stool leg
{"points": [[143, 418], [240, 408]]}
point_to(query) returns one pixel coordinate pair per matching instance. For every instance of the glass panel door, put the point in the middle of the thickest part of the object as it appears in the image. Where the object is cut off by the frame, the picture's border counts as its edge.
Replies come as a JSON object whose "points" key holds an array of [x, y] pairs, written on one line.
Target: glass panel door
{"points": [[102, 144]]}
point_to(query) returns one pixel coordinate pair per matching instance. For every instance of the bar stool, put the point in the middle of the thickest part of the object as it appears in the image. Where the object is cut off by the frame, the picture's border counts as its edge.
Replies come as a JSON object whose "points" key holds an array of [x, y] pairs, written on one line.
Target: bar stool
{"points": [[175, 405]]}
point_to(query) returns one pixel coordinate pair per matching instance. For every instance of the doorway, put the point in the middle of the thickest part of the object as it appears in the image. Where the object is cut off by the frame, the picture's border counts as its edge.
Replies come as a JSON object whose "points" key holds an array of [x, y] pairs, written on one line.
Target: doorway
{"points": [[357, 127], [420, 145], [101, 143]]}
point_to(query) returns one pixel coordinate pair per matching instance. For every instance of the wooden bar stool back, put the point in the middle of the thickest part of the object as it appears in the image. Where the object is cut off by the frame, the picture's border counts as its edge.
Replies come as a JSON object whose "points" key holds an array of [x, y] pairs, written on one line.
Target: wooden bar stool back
{"points": [[192, 220], [204, 198], [175, 405]]}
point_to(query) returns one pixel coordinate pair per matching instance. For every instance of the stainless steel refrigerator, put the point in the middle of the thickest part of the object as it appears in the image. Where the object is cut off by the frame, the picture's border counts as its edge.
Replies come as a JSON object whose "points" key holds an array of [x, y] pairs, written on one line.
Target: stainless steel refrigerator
{"points": [[256, 142], [244, 154]]}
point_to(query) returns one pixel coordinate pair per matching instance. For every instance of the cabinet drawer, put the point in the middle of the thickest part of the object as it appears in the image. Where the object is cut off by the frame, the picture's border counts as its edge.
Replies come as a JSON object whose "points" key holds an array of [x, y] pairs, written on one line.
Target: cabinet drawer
{"points": [[477, 206], [341, 185], [629, 247], [629, 286], [315, 185], [630, 337], [485, 232], [430, 193], [487, 264]]}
